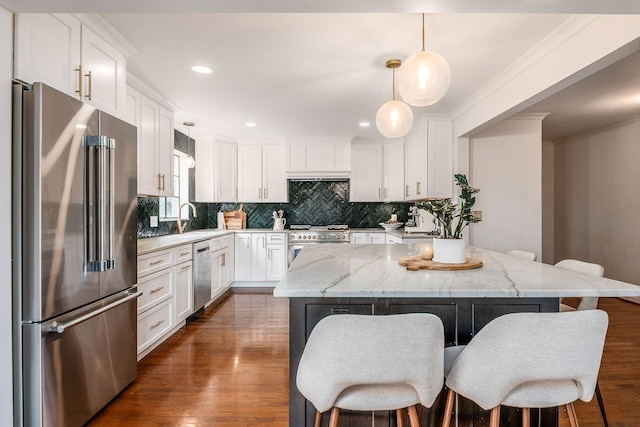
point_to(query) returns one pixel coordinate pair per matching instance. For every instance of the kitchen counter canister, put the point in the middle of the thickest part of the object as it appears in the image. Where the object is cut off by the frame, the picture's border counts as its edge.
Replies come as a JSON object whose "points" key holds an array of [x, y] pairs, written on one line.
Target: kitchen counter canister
{"points": [[373, 271]]}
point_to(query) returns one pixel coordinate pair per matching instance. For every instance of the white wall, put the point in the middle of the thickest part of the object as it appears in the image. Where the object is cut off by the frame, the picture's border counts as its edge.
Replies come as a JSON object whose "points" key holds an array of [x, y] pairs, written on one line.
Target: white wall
{"points": [[6, 72], [547, 202], [506, 164], [597, 203]]}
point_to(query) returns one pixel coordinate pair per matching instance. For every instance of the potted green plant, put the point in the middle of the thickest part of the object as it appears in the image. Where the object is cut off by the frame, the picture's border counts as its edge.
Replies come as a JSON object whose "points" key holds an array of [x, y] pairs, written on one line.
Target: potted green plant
{"points": [[450, 248]]}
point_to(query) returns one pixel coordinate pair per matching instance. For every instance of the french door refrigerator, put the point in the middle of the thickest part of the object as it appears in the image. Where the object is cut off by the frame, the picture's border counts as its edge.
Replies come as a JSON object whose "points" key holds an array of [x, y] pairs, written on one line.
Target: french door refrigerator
{"points": [[75, 251]]}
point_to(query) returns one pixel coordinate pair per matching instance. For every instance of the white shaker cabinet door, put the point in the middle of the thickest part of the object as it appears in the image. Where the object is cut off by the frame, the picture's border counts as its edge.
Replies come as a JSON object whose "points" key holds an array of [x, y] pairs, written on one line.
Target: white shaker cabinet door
{"points": [[242, 259], [103, 69], [184, 291], [258, 257], [47, 49], [366, 173], [149, 180], [226, 171], [274, 177], [250, 173], [276, 261], [393, 171]]}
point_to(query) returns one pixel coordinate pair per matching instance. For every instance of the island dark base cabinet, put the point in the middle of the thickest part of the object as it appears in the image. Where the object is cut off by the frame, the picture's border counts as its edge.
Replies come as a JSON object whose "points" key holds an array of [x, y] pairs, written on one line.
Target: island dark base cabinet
{"points": [[462, 319]]}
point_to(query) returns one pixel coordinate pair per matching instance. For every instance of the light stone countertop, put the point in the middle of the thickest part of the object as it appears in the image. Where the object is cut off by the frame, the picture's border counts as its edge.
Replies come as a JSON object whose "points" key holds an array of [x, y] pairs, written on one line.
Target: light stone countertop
{"points": [[151, 244], [373, 271]]}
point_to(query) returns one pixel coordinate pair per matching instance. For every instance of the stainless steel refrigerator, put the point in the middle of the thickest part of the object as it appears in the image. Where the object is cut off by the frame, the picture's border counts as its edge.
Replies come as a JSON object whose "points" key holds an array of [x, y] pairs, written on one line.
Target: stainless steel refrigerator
{"points": [[75, 225]]}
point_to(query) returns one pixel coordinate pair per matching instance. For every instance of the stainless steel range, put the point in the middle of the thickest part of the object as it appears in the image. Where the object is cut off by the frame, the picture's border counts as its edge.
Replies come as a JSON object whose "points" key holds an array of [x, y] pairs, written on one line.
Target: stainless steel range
{"points": [[302, 235]]}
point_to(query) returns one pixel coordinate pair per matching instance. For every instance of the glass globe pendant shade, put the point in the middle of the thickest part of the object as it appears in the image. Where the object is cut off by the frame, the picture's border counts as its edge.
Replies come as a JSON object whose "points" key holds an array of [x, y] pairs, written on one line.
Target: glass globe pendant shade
{"points": [[423, 78], [394, 119]]}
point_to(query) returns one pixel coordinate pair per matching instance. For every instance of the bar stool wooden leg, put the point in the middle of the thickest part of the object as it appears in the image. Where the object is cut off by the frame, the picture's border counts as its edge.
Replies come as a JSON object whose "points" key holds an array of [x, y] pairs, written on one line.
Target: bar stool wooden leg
{"points": [[526, 417], [318, 419], [399, 420], [413, 416], [495, 417], [446, 418], [335, 414], [573, 418]]}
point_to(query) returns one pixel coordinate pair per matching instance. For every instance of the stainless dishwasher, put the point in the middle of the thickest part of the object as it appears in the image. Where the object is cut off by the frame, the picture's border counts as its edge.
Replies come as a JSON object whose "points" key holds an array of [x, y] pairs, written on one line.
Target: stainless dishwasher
{"points": [[201, 274]]}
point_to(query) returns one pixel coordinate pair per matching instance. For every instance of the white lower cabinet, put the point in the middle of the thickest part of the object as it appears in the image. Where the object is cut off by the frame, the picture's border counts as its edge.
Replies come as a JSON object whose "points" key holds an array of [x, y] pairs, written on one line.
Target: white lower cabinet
{"points": [[394, 239], [260, 257], [165, 279], [221, 265], [184, 290], [364, 238]]}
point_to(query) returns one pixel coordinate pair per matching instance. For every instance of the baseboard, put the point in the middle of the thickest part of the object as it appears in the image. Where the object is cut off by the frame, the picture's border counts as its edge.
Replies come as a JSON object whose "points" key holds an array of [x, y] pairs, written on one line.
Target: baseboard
{"points": [[253, 284], [635, 300], [252, 290]]}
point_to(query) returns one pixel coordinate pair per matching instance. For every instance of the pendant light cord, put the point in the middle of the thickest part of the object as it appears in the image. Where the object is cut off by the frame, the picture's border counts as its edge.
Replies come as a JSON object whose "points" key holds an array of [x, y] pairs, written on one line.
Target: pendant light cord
{"points": [[423, 32], [393, 84]]}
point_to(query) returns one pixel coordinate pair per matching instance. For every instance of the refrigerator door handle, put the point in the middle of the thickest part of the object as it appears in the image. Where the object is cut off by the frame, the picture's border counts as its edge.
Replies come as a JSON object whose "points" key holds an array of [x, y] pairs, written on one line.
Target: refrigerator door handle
{"points": [[62, 327], [102, 194], [111, 262]]}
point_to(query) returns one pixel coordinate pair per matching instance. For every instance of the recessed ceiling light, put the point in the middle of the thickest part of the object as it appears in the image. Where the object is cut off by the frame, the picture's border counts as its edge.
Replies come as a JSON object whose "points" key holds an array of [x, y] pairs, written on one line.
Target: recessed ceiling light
{"points": [[250, 124], [364, 124], [201, 69]]}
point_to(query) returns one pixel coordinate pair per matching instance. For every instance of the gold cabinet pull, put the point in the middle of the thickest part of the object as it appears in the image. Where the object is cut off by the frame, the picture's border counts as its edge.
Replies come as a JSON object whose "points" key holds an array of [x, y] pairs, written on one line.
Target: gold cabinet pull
{"points": [[155, 325], [153, 291], [185, 253], [156, 262], [88, 96], [79, 70], [224, 260], [159, 183], [418, 183], [406, 191], [186, 267]]}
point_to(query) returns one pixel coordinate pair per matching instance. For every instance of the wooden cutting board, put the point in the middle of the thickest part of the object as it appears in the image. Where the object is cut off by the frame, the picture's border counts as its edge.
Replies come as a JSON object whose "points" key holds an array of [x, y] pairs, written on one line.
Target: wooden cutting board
{"points": [[235, 220], [414, 263]]}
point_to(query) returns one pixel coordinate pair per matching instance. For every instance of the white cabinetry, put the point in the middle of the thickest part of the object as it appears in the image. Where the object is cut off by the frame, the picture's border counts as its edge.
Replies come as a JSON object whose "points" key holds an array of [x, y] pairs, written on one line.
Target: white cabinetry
{"points": [[155, 148], [260, 256], [394, 239], [429, 158], [221, 265], [184, 283], [261, 174], [377, 172], [367, 238], [60, 51], [217, 171], [276, 255], [165, 279], [319, 158]]}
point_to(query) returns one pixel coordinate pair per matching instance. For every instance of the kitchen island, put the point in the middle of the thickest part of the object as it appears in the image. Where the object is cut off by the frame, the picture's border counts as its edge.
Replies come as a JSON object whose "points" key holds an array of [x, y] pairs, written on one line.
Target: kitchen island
{"points": [[367, 279]]}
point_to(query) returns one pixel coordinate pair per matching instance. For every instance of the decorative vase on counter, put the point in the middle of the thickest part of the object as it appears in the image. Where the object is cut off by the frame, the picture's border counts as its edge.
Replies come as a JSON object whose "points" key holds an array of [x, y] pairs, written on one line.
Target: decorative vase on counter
{"points": [[449, 251]]}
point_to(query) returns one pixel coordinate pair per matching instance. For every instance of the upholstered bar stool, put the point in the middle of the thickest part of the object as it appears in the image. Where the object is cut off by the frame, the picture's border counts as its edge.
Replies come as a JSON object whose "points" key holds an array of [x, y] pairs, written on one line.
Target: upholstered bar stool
{"points": [[372, 363], [586, 303], [531, 256], [530, 360]]}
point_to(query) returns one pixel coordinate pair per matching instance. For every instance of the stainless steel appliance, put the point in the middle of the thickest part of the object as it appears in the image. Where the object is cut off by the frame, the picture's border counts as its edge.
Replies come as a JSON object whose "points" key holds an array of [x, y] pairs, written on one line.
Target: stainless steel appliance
{"points": [[302, 235], [75, 222], [201, 274]]}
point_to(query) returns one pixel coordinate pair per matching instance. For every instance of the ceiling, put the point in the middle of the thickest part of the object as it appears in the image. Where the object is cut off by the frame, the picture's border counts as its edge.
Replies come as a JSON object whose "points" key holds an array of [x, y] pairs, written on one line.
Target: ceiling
{"points": [[321, 74]]}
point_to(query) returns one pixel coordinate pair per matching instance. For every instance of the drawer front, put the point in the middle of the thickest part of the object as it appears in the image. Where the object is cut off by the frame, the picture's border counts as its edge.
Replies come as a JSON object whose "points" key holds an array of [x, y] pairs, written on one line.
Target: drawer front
{"points": [[220, 242], [183, 253], [155, 261], [154, 323], [277, 238], [156, 288]]}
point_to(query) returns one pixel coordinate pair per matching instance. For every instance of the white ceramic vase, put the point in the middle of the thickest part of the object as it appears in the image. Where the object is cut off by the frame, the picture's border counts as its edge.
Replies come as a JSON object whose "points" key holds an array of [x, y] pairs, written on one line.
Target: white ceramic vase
{"points": [[449, 251]]}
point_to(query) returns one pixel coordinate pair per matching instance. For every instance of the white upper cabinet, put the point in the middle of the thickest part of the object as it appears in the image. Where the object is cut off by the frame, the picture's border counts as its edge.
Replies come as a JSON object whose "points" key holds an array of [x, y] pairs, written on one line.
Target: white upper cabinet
{"points": [[261, 174], [47, 49], [429, 158], [366, 173], [377, 171], [155, 149], [318, 158], [216, 171], [62, 52]]}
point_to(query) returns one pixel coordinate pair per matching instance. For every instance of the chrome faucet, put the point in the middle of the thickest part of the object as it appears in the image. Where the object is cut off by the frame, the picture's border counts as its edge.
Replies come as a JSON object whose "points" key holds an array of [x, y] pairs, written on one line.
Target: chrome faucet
{"points": [[193, 209]]}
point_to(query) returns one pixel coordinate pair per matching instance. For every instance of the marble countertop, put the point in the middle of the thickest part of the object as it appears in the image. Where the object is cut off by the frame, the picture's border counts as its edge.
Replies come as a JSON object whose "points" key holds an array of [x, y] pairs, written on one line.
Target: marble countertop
{"points": [[151, 244], [373, 271]]}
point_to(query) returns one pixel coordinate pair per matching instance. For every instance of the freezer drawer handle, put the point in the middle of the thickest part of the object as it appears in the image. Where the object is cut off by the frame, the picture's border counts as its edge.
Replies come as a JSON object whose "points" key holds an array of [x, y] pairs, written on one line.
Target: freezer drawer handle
{"points": [[60, 328]]}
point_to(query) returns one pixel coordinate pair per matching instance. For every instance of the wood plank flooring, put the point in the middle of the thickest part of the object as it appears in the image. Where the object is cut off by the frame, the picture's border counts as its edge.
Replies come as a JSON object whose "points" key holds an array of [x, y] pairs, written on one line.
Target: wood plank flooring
{"points": [[230, 368]]}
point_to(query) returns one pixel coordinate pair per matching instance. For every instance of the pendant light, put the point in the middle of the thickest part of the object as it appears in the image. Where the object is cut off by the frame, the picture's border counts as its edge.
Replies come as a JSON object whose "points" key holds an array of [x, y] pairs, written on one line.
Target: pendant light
{"points": [[424, 77], [190, 162], [395, 118]]}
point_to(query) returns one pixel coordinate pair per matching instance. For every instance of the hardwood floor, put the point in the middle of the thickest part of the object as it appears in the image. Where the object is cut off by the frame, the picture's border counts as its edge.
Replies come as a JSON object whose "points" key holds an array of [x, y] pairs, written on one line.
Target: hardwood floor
{"points": [[230, 368]]}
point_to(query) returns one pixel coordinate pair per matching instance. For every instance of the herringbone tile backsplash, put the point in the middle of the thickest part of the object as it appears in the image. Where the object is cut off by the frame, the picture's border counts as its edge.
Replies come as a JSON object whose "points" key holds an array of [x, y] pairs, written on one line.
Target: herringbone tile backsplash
{"points": [[310, 202]]}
